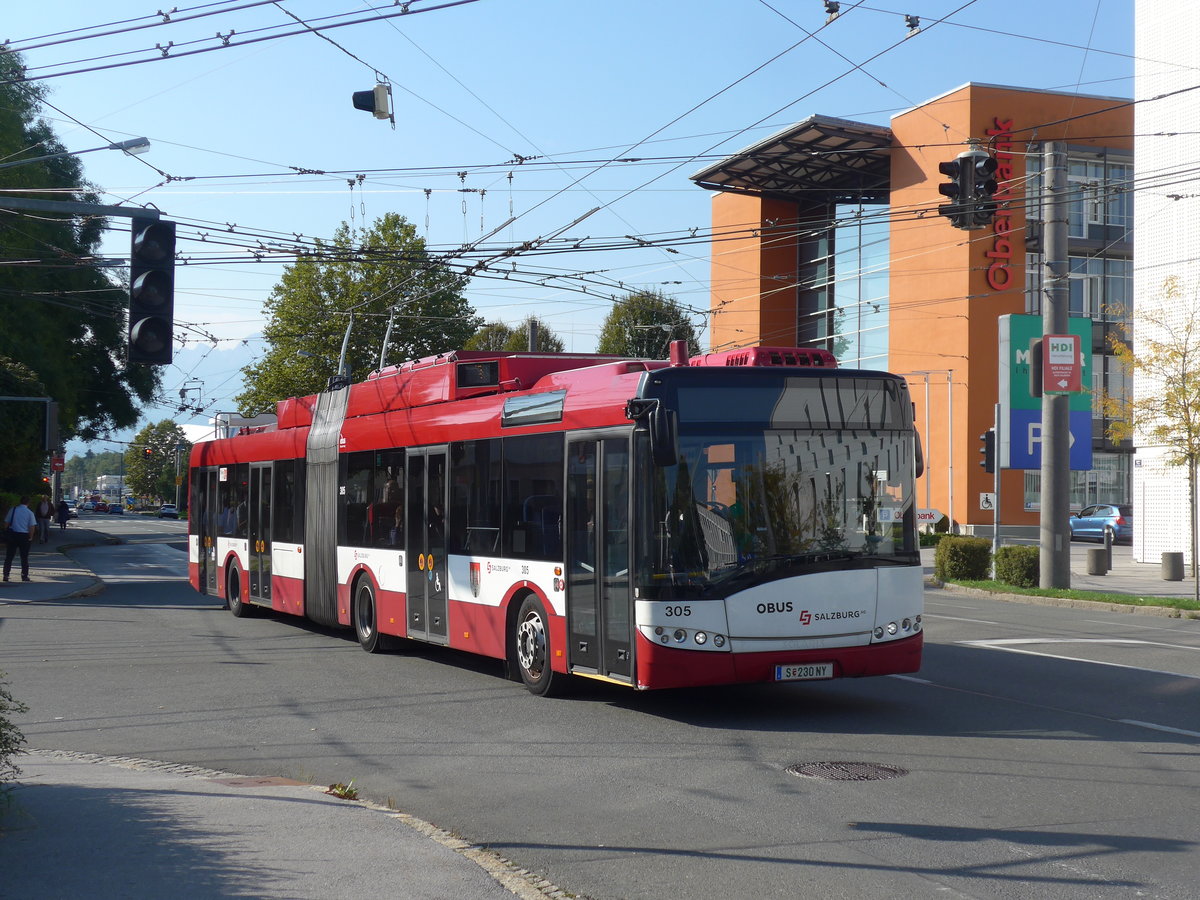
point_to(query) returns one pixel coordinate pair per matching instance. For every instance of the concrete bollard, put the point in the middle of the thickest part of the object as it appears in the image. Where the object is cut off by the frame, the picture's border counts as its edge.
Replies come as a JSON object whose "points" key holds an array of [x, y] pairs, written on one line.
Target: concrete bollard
{"points": [[1097, 561], [1172, 567]]}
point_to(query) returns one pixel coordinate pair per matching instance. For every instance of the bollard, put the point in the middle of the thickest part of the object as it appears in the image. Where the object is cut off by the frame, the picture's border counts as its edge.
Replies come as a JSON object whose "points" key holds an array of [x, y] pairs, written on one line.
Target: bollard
{"points": [[1172, 567], [1097, 561]]}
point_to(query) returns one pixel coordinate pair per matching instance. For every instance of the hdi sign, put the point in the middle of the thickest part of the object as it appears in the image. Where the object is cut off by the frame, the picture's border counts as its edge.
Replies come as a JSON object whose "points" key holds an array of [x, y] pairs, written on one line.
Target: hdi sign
{"points": [[1062, 364], [1020, 444]]}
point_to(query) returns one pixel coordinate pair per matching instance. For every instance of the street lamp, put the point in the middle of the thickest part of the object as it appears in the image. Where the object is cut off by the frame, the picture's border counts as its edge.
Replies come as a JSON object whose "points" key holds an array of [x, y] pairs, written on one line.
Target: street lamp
{"points": [[132, 146]]}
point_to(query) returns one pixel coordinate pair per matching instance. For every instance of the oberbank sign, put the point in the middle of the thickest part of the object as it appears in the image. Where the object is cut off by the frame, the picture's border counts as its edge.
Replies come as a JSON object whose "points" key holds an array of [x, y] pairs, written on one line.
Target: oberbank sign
{"points": [[1020, 445]]}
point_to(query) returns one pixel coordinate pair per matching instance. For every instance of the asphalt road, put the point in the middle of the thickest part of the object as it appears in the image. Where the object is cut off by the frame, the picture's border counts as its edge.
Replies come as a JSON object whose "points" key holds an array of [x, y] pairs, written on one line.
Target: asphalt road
{"points": [[1045, 752]]}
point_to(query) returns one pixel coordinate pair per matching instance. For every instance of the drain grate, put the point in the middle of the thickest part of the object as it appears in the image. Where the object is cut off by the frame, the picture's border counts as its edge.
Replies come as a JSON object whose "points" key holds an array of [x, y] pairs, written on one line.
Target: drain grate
{"points": [[846, 771]]}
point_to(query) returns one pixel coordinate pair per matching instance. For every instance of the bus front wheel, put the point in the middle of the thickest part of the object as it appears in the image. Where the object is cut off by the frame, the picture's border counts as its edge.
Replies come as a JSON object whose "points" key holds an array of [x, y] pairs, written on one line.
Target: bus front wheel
{"points": [[366, 621], [533, 650]]}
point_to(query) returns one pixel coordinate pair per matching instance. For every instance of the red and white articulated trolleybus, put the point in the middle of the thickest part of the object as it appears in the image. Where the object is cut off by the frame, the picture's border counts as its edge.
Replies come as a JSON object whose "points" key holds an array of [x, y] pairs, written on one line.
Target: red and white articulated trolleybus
{"points": [[744, 516]]}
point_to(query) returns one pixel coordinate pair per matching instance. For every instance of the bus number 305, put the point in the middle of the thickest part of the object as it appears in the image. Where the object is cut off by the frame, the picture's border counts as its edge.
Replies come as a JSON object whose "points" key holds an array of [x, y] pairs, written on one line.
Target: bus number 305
{"points": [[672, 611]]}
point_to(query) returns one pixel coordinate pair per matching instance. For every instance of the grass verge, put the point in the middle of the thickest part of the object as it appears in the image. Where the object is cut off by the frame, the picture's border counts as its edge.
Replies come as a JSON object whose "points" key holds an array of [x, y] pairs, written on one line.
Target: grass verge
{"points": [[1187, 608]]}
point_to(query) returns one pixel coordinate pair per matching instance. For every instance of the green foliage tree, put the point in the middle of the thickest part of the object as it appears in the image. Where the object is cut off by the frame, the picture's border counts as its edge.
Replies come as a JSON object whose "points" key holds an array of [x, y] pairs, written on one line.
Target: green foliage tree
{"points": [[150, 461], [1166, 409], [23, 425], [498, 336], [643, 324], [64, 319], [373, 272]]}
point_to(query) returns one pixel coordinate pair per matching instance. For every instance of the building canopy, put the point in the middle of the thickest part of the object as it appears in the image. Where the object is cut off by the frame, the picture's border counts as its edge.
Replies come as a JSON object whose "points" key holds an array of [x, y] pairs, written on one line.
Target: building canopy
{"points": [[830, 160]]}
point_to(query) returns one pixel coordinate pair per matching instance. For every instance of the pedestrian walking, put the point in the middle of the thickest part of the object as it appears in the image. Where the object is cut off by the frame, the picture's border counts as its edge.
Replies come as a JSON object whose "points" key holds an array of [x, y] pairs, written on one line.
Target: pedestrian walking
{"points": [[44, 513], [19, 525], [64, 513]]}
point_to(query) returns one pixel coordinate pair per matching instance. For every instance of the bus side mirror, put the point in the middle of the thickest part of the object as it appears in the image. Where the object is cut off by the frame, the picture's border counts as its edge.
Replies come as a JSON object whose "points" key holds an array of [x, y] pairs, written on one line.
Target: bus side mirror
{"points": [[664, 445]]}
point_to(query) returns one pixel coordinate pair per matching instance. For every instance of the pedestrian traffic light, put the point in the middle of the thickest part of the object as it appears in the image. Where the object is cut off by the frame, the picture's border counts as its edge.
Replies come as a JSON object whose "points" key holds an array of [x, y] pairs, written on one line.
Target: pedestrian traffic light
{"points": [[151, 291], [971, 188], [987, 450]]}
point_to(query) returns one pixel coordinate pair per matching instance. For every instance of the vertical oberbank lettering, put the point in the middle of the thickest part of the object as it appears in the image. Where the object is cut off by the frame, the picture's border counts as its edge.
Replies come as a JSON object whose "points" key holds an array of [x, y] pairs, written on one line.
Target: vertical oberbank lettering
{"points": [[1000, 255]]}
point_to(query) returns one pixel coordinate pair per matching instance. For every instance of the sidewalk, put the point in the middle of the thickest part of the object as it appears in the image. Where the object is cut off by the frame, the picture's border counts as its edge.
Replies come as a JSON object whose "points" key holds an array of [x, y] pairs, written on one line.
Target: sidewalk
{"points": [[79, 825], [1125, 576]]}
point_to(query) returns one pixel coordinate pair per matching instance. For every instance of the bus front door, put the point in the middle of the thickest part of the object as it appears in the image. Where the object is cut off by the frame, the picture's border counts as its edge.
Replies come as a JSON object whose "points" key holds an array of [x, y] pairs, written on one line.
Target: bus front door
{"points": [[426, 545], [599, 601], [259, 562]]}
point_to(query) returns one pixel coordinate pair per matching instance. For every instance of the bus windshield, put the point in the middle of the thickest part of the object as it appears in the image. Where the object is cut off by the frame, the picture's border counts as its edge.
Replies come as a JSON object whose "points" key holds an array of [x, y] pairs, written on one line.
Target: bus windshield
{"points": [[741, 508]]}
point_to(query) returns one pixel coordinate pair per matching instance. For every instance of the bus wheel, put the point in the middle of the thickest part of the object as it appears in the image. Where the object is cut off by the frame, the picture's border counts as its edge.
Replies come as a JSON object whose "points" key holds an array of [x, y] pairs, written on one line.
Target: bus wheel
{"points": [[233, 593], [366, 624], [532, 640]]}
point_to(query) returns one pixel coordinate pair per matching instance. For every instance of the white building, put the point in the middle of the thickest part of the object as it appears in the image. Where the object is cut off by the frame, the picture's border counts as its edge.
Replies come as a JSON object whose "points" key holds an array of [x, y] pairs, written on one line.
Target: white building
{"points": [[1166, 236]]}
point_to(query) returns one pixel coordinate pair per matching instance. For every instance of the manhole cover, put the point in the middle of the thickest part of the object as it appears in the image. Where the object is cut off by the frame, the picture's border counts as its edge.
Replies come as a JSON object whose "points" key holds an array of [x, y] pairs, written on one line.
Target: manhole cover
{"points": [[846, 771]]}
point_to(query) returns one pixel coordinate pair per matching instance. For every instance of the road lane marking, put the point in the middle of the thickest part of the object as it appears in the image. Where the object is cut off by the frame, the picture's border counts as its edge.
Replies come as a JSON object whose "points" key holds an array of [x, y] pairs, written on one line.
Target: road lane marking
{"points": [[1006, 645], [1167, 728], [929, 615]]}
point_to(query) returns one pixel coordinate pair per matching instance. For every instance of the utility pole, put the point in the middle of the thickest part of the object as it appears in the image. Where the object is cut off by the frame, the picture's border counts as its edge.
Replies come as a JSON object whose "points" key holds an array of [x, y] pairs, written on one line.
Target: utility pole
{"points": [[1055, 548]]}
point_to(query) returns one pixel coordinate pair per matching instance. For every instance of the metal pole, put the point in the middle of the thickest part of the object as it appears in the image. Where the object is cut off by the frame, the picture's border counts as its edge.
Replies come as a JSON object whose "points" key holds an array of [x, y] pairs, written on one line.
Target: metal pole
{"points": [[929, 445], [996, 484], [1054, 557], [950, 446], [177, 448]]}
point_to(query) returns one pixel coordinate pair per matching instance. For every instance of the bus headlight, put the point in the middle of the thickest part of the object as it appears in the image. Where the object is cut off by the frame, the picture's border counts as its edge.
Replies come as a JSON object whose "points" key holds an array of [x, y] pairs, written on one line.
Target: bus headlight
{"points": [[718, 640], [680, 635], [700, 637], [892, 628], [878, 632]]}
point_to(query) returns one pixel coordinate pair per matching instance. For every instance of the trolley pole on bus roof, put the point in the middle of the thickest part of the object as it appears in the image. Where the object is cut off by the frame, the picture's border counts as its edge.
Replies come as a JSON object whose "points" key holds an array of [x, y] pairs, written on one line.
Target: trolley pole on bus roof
{"points": [[1055, 548]]}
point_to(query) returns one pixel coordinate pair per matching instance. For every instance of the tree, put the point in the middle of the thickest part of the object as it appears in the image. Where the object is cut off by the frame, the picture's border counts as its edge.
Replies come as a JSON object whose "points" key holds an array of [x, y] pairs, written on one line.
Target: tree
{"points": [[1165, 410], [378, 274], [643, 324], [64, 319], [498, 336], [150, 461]]}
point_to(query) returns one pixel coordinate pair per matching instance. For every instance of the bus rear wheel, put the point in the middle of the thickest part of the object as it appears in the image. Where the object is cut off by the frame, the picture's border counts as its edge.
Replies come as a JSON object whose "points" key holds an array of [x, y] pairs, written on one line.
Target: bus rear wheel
{"points": [[365, 616], [233, 593], [533, 650]]}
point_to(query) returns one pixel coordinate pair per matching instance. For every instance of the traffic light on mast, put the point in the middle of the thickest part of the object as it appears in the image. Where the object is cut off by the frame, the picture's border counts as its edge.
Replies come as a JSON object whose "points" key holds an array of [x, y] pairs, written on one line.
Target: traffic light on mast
{"points": [[987, 449], [376, 101], [971, 188], [151, 291]]}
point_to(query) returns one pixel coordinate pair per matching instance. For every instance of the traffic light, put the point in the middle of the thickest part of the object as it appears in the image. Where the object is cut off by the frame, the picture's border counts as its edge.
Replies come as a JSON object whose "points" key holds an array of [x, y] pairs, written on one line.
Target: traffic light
{"points": [[147, 452], [151, 291], [376, 101], [971, 189], [958, 189], [987, 450]]}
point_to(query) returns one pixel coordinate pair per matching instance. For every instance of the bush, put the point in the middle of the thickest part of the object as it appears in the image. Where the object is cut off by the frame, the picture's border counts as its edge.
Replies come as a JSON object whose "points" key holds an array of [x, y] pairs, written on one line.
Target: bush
{"points": [[931, 538], [1019, 566], [11, 737], [963, 559]]}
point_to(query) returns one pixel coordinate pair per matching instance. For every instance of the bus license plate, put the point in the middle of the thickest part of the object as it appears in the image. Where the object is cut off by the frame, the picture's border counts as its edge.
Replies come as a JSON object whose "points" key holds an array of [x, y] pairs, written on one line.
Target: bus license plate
{"points": [[806, 672]]}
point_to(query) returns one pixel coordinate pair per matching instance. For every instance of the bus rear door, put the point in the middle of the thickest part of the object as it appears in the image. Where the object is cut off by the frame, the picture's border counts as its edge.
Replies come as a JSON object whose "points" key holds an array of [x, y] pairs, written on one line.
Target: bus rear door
{"points": [[426, 544], [599, 601]]}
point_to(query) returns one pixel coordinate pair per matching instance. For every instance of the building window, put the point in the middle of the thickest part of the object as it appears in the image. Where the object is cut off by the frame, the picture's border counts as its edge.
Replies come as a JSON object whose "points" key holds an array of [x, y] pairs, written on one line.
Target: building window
{"points": [[1106, 482], [860, 286]]}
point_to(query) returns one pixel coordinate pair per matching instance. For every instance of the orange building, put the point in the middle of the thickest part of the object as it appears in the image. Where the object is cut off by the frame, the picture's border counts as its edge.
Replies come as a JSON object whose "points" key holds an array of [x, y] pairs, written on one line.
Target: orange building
{"points": [[828, 235]]}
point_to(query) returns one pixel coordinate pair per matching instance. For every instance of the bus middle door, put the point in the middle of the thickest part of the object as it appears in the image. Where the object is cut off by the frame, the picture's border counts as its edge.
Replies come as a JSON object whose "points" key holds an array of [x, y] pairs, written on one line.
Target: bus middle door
{"points": [[599, 602], [260, 533], [425, 535]]}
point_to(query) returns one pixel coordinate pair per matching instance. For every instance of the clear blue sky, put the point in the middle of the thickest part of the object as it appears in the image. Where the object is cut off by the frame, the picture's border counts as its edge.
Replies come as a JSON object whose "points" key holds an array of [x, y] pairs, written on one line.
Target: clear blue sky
{"points": [[571, 84]]}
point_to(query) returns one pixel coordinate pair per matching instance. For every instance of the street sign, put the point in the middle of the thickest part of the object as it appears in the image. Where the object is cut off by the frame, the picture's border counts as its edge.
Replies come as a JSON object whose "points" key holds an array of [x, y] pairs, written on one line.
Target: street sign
{"points": [[987, 500], [929, 516], [1020, 444], [1062, 367], [58, 464]]}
